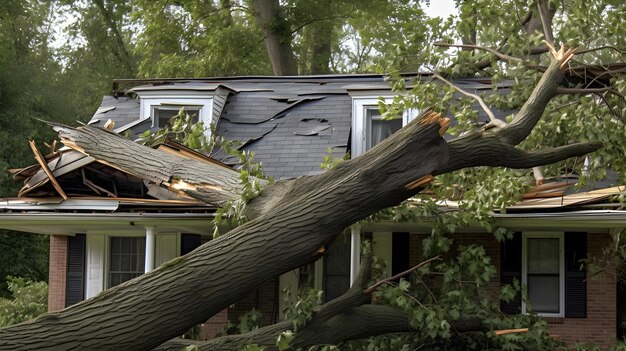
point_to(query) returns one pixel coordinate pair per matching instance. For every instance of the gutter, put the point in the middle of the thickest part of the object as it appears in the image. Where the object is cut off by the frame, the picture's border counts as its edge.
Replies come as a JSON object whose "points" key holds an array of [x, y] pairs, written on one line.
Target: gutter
{"points": [[72, 223]]}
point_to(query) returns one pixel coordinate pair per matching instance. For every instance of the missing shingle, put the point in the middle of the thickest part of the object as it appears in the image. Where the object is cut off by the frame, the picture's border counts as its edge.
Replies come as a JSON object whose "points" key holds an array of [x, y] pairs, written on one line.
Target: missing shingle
{"points": [[312, 126]]}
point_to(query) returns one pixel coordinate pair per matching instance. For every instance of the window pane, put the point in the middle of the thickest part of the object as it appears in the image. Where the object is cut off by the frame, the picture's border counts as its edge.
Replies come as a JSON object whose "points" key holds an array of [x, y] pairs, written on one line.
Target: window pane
{"points": [[164, 114], [543, 269], [543, 293], [380, 129], [129, 262], [543, 255]]}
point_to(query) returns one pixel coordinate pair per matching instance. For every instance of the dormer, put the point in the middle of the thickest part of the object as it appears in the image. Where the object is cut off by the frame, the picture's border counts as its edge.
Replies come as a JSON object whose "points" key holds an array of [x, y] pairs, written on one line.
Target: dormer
{"points": [[368, 126], [161, 101]]}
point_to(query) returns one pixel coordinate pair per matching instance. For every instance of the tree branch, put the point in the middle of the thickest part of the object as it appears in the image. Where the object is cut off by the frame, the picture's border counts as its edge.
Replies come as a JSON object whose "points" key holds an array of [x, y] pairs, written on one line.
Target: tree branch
{"points": [[580, 52], [402, 274], [492, 118], [497, 148], [345, 318], [546, 20], [498, 54], [527, 117]]}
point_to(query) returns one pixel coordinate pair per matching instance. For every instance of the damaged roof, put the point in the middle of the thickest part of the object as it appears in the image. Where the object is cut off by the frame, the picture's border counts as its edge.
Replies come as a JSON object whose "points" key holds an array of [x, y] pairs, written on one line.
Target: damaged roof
{"points": [[290, 123]]}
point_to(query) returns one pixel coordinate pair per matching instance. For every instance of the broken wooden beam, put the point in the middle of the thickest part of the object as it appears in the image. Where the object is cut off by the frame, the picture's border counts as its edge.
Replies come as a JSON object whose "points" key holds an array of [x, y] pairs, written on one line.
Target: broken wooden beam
{"points": [[44, 165]]}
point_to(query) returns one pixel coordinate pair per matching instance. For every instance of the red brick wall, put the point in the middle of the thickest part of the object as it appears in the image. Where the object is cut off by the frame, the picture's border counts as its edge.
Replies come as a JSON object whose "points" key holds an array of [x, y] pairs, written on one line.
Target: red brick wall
{"points": [[600, 325], [263, 300], [57, 272], [214, 325]]}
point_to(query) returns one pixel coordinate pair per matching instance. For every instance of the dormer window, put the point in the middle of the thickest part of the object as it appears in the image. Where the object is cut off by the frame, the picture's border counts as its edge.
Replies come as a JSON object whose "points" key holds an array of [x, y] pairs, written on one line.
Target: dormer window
{"points": [[160, 102], [368, 126], [160, 109], [163, 113], [377, 128]]}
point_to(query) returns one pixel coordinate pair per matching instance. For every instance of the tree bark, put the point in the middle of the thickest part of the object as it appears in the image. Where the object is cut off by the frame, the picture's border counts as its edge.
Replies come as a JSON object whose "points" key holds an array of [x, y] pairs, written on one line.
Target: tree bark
{"points": [[345, 318], [277, 36], [355, 323], [207, 182], [190, 289], [295, 219]]}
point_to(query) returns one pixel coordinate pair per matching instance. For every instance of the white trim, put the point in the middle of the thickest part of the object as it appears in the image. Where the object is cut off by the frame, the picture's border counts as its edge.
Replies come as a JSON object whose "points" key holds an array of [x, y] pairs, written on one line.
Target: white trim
{"points": [[355, 251], [149, 100], [95, 264], [359, 120], [97, 258], [560, 236], [205, 115], [149, 250]]}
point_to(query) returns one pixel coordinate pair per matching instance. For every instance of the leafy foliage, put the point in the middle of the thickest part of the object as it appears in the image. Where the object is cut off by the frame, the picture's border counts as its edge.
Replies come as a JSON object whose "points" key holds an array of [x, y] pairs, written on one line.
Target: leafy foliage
{"points": [[248, 322], [183, 129], [29, 299]]}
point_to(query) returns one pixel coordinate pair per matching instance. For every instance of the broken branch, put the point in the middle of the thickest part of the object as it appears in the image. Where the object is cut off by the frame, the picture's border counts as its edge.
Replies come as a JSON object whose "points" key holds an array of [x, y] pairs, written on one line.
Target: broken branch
{"points": [[402, 274], [44, 165], [501, 56], [492, 117]]}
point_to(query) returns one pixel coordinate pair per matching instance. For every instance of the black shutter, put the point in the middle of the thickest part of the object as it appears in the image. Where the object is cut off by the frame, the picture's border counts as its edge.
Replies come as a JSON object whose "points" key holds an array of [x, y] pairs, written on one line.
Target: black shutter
{"points": [[75, 284], [400, 246], [337, 267], [510, 269], [575, 277], [189, 242]]}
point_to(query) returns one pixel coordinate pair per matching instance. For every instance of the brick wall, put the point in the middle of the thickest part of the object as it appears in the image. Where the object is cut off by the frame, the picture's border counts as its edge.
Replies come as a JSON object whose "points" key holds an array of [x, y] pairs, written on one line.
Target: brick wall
{"points": [[57, 272], [263, 300], [600, 325]]}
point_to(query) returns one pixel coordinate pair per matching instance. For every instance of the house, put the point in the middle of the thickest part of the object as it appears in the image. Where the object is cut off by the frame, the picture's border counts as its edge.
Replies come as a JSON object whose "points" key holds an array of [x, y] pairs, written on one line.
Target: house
{"points": [[107, 226]]}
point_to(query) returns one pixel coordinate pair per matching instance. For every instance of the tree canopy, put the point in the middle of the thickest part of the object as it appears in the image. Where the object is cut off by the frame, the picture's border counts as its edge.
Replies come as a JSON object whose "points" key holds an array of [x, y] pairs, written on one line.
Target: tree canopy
{"points": [[507, 41]]}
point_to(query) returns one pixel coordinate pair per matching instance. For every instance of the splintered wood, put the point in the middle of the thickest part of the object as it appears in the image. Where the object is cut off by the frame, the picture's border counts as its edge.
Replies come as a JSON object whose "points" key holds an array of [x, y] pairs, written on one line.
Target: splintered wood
{"points": [[436, 117], [511, 331], [419, 182], [44, 165], [561, 55]]}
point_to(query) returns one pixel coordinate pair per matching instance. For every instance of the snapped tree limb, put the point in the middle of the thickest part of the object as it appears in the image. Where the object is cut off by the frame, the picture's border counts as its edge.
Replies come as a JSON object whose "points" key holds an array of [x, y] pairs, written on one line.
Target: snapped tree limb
{"points": [[348, 317], [294, 223]]}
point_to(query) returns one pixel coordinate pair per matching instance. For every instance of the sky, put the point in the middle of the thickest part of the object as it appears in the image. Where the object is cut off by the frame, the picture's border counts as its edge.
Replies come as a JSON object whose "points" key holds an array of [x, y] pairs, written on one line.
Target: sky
{"points": [[441, 8]]}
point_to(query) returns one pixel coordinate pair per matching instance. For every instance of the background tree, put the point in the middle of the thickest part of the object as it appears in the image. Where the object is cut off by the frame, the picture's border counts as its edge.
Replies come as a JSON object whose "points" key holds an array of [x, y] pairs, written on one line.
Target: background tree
{"points": [[195, 38]]}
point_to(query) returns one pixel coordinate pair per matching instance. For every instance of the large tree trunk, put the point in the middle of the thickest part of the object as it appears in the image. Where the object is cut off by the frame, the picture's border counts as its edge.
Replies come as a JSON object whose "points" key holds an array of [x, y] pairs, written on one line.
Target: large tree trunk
{"points": [[347, 317], [293, 222], [292, 233], [277, 36]]}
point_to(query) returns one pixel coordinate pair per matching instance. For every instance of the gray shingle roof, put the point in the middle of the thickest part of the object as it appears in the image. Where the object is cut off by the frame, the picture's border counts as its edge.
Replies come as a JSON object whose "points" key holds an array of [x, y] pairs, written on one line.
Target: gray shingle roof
{"points": [[288, 122]]}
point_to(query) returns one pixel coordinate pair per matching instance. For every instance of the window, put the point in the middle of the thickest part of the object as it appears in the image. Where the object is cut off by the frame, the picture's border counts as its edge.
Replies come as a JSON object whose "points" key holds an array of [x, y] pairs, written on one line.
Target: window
{"points": [[531, 258], [378, 129], [368, 127], [126, 259], [161, 106], [543, 273], [162, 114]]}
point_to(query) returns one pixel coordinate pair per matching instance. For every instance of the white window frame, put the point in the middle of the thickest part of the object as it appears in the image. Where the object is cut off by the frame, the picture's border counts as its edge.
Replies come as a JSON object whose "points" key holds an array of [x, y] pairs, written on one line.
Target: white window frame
{"points": [[107, 255], [360, 105], [190, 109], [98, 255], [545, 235], [153, 100]]}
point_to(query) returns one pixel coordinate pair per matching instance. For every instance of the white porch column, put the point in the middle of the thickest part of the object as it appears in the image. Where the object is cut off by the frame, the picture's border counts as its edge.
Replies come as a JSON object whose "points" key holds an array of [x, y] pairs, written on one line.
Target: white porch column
{"points": [[355, 251], [150, 240]]}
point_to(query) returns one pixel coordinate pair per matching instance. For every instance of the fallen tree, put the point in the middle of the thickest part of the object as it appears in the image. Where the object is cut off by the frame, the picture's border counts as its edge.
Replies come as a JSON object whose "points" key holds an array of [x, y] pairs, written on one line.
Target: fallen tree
{"points": [[290, 224], [347, 317]]}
